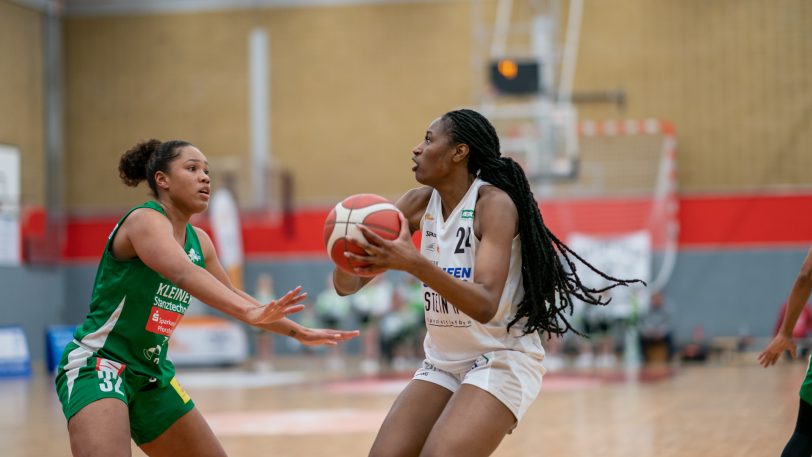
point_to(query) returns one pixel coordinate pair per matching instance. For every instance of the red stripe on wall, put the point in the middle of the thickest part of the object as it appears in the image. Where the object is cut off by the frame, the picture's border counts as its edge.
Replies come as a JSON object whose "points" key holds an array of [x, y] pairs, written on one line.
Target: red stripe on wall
{"points": [[705, 222], [86, 237], [745, 220], [300, 233], [603, 217]]}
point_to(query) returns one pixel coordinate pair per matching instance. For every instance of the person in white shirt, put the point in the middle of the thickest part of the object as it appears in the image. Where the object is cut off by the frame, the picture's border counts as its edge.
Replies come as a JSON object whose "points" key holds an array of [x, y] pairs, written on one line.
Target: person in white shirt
{"points": [[492, 279]]}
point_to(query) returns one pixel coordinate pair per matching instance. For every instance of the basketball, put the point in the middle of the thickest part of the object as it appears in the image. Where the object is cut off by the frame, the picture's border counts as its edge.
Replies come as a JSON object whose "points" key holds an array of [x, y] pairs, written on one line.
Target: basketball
{"points": [[373, 211]]}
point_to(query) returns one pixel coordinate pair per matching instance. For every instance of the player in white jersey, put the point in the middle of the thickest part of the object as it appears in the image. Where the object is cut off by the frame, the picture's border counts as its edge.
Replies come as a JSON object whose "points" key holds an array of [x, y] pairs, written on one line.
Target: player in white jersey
{"points": [[492, 279]]}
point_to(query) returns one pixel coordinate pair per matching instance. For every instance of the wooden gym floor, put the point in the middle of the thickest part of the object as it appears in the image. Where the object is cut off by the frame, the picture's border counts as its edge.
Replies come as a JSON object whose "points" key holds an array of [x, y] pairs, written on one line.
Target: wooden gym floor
{"points": [[734, 408]]}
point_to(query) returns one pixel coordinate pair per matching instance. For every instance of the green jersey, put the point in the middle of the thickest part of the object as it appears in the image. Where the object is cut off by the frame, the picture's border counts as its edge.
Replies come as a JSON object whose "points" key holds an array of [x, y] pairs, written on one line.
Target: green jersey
{"points": [[133, 311]]}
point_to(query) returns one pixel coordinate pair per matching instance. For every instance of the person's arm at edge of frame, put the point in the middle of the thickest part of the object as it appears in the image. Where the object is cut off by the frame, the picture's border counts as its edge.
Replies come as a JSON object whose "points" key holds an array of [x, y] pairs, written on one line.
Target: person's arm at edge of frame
{"points": [[801, 289], [150, 235], [285, 326]]}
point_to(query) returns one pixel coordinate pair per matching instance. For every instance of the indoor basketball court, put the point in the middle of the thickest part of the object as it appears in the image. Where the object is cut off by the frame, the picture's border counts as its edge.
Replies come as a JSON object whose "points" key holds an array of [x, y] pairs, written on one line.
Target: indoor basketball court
{"points": [[726, 408], [666, 141]]}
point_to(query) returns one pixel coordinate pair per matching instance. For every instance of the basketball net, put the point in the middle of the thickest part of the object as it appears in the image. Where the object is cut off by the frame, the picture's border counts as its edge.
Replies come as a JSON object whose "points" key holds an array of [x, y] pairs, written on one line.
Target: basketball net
{"points": [[621, 211]]}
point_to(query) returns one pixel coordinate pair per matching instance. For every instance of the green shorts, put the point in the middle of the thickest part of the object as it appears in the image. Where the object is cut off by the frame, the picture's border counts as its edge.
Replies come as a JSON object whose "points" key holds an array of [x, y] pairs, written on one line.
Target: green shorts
{"points": [[153, 408]]}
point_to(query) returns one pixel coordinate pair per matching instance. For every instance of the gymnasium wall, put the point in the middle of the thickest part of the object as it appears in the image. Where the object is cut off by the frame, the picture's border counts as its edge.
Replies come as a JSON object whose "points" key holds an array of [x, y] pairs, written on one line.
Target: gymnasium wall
{"points": [[352, 89], [727, 293], [732, 75], [21, 94], [358, 84], [737, 260]]}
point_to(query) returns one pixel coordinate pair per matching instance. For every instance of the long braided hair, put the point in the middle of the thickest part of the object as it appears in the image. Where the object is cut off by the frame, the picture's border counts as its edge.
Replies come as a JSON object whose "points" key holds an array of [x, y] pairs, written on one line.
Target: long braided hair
{"points": [[549, 287]]}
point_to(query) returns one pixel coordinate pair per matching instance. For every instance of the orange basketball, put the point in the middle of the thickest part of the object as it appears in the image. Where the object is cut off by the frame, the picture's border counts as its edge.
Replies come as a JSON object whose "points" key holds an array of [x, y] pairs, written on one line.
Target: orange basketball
{"points": [[373, 211]]}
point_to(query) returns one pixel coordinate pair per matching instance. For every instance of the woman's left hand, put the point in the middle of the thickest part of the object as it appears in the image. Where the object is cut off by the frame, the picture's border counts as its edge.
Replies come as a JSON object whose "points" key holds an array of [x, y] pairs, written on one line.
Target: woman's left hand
{"points": [[278, 309], [773, 351], [382, 255], [321, 336]]}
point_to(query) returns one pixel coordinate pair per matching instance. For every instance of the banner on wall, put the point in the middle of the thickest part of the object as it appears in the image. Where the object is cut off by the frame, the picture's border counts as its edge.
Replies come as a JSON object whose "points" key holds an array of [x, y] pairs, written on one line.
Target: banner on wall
{"points": [[15, 359], [208, 341], [626, 256], [10, 243]]}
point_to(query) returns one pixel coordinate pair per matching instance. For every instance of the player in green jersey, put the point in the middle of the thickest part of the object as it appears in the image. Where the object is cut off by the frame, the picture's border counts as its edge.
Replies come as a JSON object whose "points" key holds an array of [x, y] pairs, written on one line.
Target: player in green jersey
{"points": [[800, 443], [114, 380]]}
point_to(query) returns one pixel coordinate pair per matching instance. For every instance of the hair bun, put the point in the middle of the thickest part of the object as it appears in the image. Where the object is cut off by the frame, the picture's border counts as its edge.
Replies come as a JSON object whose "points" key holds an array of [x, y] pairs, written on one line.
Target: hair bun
{"points": [[132, 168]]}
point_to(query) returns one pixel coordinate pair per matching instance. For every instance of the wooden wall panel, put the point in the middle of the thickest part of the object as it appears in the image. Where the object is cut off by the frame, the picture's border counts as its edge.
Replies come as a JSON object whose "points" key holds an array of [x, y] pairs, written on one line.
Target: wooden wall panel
{"points": [[21, 89], [353, 88], [733, 75]]}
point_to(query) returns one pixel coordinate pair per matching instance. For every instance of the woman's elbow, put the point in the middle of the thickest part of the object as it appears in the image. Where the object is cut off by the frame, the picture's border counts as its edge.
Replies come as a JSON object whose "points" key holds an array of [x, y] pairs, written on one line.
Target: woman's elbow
{"points": [[486, 313], [181, 276], [804, 278]]}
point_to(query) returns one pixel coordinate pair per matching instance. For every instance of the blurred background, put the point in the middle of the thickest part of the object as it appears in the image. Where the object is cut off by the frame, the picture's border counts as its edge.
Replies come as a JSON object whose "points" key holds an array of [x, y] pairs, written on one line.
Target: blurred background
{"points": [[669, 140]]}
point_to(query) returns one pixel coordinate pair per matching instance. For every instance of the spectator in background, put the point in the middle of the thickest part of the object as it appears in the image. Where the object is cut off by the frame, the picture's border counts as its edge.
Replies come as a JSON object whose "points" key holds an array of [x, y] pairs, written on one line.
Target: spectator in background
{"points": [[802, 327], [697, 349], [369, 304], [656, 329], [412, 291], [554, 351], [598, 350], [332, 310], [263, 341], [400, 327], [224, 216]]}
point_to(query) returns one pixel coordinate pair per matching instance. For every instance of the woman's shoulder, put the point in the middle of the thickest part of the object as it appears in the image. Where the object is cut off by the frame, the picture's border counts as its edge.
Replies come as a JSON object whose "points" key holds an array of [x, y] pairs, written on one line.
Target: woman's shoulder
{"points": [[202, 235], [413, 204], [495, 209], [143, 213], [144, 220], [491, 195], [414, 200]]}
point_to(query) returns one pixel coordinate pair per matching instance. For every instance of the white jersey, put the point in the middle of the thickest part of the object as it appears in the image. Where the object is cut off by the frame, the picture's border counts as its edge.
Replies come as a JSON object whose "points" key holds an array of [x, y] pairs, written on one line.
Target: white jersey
{"points": [[454, 340]]}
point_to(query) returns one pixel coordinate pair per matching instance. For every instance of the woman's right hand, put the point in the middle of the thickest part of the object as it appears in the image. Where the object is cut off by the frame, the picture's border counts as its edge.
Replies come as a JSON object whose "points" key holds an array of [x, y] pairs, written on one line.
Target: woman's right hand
{"points": [[278, 309], [777, 346]]}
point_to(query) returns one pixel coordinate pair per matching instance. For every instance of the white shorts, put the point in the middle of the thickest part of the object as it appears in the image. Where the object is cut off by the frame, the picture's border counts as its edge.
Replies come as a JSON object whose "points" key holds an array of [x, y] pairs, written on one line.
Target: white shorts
{"points": [[513, 377]]}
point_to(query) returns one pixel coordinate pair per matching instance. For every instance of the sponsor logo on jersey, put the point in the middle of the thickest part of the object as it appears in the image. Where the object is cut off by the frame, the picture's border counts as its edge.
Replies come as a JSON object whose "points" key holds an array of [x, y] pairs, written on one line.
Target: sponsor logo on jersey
{"points": [[168, 291], [467, 214], [431, 234], [162, 321], [153, 354], [436, 303], [439, 311], [463, 273], [193, 255], [482, 361], [429, 217], [463, 322]]}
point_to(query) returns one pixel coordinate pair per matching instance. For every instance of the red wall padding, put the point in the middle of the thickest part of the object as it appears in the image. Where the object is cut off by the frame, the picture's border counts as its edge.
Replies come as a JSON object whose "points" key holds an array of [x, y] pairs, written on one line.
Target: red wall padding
{"points": [[705, 222]]}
